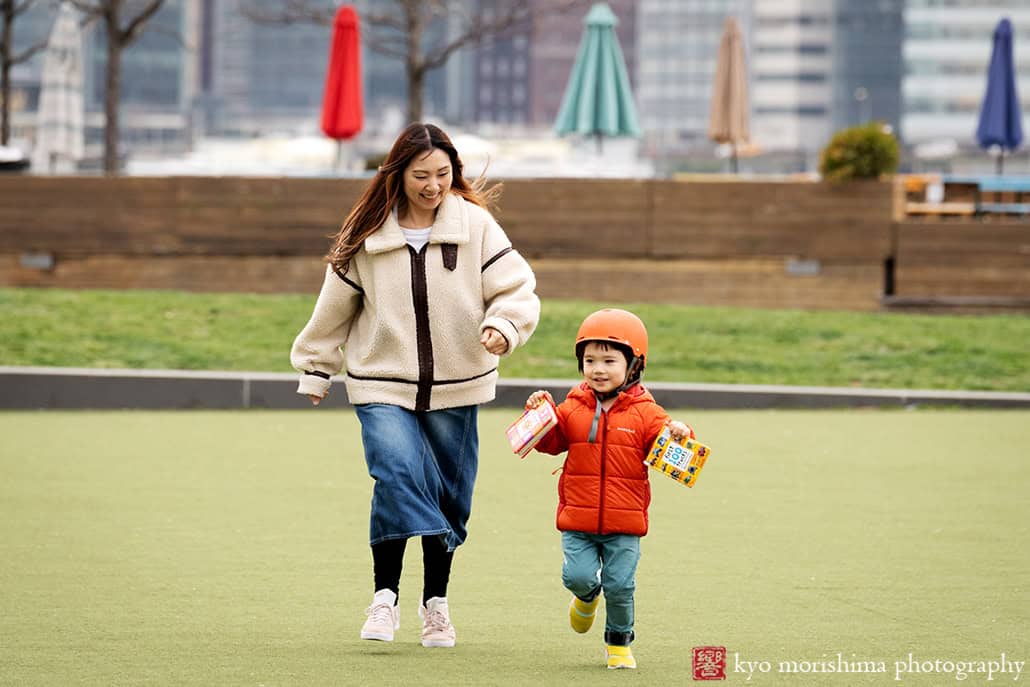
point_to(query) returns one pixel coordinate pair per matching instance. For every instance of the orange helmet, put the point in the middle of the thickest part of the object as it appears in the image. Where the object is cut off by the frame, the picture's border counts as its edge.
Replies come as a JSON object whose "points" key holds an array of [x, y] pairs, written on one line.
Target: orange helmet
{"points": [[614, 326]]}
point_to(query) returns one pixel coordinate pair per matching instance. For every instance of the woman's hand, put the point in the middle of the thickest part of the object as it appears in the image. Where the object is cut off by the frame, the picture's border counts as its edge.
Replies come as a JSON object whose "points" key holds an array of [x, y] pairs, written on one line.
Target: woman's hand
{"points": [[678, 430], [315, 400], [493, 341], [537, 398]]}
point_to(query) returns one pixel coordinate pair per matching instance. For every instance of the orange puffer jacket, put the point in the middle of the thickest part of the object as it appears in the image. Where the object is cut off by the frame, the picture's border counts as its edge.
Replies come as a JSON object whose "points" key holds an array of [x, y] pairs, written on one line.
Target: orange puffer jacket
{"points": [[603, 487]]}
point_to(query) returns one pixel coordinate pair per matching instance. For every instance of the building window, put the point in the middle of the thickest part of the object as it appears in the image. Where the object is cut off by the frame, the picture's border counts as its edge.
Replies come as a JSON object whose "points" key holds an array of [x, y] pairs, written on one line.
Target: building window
{"points": [[802, 110], [812, 49], [803, 77]]}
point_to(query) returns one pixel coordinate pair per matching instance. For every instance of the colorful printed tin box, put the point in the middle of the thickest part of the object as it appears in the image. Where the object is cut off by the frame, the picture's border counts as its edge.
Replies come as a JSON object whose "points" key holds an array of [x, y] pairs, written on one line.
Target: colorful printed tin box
{"points": [[526, 432], [679, 460]]}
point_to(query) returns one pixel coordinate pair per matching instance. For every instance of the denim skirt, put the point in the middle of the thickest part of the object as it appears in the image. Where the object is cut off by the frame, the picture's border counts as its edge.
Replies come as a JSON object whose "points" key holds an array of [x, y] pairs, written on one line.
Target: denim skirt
{"points": [[424, 466]]}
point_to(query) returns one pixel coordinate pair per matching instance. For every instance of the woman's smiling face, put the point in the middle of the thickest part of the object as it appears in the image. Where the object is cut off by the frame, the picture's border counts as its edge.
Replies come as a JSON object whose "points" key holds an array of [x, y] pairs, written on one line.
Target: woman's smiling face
{"points": [[426, 180]]}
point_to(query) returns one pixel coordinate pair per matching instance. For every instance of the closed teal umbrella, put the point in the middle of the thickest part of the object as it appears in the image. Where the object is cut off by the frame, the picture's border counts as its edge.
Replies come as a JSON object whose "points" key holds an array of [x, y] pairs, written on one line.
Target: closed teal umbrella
{"points": [[598, 101]]}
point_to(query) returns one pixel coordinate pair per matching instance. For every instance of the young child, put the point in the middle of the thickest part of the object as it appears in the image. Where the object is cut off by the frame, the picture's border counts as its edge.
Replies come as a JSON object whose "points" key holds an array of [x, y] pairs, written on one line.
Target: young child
{"points": [[607, 424]]}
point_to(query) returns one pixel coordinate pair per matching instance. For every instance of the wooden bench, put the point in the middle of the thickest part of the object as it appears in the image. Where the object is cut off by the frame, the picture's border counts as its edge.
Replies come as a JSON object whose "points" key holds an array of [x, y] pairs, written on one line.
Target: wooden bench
{"points": [[940, 209], [994, 195], [915, 184], [1003, 209]]}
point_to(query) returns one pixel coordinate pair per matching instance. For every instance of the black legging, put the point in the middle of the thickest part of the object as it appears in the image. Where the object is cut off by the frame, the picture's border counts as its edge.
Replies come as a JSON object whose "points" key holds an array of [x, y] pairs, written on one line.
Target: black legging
{"points": [[388, 559]]}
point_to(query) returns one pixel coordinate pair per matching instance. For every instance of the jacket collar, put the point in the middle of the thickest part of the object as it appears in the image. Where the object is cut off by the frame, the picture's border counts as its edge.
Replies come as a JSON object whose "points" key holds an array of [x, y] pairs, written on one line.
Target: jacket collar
{"points": [[451, 226], [637, 392]]}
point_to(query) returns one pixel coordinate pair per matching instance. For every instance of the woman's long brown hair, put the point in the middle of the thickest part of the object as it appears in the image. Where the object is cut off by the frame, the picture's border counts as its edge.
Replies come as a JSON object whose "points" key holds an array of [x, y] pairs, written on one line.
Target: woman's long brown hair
{"points": [[387, 190]]}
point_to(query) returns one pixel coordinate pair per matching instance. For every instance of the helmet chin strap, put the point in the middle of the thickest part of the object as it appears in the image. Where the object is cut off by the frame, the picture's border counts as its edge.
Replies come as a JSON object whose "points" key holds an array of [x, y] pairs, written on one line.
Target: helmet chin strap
{"points": [[633, 371]]}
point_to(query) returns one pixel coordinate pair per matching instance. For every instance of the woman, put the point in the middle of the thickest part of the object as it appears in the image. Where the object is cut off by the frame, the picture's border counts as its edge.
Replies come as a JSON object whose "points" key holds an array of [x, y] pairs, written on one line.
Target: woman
{"points": [[422, 292]]}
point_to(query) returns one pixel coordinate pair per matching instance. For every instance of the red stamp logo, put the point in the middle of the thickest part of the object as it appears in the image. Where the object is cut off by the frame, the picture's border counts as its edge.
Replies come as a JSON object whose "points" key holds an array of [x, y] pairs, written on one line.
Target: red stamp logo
{"points": [[709, 663]]}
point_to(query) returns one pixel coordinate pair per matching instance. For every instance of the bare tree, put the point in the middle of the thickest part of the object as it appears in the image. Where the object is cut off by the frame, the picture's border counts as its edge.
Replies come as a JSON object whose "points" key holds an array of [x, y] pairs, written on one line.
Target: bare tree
{"points": [[398, 30], [122, 26], [10, 10]]}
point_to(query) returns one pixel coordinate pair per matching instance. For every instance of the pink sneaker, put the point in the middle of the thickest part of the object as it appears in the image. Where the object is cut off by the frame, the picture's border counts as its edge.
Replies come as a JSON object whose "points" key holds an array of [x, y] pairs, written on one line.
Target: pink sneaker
{"points": [[383, 617], [437, 630]]}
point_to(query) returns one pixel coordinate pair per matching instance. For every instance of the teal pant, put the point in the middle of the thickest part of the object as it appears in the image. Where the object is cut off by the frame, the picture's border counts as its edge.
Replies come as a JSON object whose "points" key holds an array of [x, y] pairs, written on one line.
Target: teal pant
{"points": [[595, 563]]}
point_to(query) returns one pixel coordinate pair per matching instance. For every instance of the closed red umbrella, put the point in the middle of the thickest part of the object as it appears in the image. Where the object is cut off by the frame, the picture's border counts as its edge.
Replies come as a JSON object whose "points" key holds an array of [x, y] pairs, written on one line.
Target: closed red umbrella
{"points": [[342, 109]]}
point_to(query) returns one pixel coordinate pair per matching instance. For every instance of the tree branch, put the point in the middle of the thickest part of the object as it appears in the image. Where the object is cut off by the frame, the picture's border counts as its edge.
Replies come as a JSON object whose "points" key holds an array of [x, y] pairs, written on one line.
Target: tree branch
{"points": [[478, 29], [28, 52], [512, 16], [174, 35], [294, 12], [387, 20], [18, 9], [132, 31], [393, 47], [87, 7]]}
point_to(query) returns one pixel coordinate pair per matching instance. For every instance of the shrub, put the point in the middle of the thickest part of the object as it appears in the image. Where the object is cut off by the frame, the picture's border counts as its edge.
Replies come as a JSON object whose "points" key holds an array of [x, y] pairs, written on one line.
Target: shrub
{"points": [[859, 152]]}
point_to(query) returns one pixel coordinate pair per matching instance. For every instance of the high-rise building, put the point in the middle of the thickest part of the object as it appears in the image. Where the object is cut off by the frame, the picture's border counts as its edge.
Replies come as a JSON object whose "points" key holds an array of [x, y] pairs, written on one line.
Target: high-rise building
{"points": [[158, 81], [260, 77], [792, 68], [867, 63], [821, 65], [948, 46], [497, 74], [676, 49], [518, 77], [157, 84]]}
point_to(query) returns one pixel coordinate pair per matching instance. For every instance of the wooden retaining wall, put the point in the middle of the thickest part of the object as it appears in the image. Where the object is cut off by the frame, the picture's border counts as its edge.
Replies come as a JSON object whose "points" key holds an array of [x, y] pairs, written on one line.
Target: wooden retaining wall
{"points": [[967, 265], [989, 259], [766, 244]]}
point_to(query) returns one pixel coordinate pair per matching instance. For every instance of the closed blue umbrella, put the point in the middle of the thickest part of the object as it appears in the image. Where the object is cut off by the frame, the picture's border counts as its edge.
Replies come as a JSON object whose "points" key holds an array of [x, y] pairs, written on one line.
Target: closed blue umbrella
{"points": [[1000, 119], [598, 100]]}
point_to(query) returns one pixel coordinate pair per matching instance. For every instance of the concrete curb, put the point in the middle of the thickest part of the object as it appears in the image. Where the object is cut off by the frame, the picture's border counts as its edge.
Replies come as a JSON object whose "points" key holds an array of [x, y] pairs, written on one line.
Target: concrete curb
{"points": [[87, 388]]}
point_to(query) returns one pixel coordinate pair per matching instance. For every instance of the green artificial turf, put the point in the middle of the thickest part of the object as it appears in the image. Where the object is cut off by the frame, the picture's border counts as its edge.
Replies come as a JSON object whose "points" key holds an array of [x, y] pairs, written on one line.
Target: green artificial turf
{"points": [[230, 548], [176, 330]]}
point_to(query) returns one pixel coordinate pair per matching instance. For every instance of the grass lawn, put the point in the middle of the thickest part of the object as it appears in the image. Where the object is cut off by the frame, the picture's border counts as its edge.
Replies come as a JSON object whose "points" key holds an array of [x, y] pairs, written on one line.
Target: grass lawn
{"points": [[175, 330], [230, 548]]}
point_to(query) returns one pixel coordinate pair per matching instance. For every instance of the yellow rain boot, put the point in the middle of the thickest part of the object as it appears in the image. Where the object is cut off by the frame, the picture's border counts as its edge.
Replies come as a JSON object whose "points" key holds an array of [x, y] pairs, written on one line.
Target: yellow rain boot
{"points": [[620, 657], [581, 613]]}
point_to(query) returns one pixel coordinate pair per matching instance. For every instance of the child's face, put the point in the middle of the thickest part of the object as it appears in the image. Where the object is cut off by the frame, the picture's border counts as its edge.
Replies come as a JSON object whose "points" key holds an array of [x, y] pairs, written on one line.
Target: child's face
{"points": [[604, 367]]}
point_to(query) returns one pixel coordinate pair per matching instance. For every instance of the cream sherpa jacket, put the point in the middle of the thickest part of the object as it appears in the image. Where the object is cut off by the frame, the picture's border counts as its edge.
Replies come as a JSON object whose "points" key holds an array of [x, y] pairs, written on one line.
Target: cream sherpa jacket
{"points": [[409, 323]]}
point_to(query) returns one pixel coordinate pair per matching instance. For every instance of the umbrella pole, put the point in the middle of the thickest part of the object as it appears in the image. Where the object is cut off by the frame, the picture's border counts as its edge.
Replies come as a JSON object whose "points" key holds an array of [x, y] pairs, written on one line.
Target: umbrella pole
{"points": [[339, 155], [733, 157], [599, 144], [999, 164]]}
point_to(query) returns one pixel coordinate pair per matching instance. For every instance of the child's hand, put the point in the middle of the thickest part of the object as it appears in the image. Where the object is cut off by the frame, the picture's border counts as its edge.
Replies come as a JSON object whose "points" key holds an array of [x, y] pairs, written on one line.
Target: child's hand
{"points": [[537, 398], [679, 430]]}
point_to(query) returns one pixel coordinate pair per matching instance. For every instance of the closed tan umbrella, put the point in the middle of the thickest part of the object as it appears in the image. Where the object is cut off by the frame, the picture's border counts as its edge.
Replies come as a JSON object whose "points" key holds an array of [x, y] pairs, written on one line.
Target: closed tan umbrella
{"points": [[730, 112]]}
